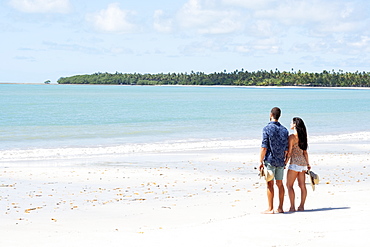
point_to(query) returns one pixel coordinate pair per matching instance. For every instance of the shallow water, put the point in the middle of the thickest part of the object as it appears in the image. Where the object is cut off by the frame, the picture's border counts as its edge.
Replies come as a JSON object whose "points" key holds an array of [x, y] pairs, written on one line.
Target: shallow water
{"points": [[68, 116]]}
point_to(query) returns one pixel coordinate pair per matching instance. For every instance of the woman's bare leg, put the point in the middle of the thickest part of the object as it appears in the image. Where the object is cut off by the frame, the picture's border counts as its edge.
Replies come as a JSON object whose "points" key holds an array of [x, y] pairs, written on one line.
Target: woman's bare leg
{"points": [[291, 177], [302, 185]]}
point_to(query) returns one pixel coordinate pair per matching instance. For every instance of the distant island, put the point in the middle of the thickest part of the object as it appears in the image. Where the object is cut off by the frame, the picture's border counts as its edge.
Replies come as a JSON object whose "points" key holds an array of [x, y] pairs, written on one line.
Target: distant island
{"points": [[235, 78]]}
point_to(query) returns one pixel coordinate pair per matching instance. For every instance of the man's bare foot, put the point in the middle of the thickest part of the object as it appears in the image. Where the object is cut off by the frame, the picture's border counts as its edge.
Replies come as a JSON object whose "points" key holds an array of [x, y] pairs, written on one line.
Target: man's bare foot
{"points": [[280, 211], [301, 209], [268, 212], [292, 210]]}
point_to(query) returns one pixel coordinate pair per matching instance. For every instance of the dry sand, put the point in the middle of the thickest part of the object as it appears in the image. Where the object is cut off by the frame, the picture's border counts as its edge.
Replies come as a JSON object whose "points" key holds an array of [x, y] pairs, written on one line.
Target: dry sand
{"points": [[192, 198]]}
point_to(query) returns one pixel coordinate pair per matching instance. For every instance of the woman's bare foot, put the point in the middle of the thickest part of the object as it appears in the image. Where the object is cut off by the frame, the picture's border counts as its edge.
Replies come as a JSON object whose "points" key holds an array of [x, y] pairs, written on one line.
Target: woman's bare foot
{"points": [[280, 211], [292, 210], [268, 212], [301, 209]]}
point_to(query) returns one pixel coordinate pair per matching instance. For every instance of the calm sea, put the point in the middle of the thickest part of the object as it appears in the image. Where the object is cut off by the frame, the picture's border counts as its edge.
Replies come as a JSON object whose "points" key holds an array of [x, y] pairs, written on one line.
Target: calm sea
{"points": [[65, 116]]}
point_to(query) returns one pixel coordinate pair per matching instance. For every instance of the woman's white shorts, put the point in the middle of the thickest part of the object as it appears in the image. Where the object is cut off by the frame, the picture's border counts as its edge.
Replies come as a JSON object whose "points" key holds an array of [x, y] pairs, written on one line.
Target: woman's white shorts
{"points": [[297, 168]]}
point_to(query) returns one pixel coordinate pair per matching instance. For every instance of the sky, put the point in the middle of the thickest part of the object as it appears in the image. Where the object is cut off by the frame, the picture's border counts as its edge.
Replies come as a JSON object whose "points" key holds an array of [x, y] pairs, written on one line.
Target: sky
{"points": [[48, 39]]}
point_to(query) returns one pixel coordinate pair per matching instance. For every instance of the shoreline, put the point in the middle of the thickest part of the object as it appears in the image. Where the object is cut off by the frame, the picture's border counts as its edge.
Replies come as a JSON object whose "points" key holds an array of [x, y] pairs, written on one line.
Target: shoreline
{"points": [[226, 86], [86, 152]]}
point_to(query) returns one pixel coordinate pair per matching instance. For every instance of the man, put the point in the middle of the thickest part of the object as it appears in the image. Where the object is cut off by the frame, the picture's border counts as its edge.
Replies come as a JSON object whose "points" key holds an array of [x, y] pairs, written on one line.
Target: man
{"points": [[274, 149]]}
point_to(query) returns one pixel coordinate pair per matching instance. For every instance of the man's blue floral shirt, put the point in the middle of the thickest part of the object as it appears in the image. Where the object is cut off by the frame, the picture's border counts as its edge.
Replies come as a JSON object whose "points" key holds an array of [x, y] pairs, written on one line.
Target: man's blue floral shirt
{"points": [[275, 139]]}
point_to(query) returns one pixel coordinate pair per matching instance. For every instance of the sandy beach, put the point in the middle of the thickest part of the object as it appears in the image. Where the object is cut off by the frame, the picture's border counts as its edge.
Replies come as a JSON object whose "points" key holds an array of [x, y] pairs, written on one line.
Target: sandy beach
{"points": [[196, 197]]}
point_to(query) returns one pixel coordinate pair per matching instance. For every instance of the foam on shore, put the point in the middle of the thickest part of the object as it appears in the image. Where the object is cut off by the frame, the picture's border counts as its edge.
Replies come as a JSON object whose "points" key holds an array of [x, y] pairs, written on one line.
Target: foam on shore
{"points": [[179, 146]]}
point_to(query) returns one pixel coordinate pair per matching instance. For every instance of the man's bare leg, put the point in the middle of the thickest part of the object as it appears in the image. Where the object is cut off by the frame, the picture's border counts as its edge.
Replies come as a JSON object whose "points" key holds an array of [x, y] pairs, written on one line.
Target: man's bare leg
{"points": [[280, 186], [270, 197]]}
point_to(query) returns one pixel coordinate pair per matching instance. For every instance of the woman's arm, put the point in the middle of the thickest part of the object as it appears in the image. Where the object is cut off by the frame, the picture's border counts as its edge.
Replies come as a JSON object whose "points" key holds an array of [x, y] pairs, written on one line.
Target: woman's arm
{"points": [[305, 154], [290, 147]]}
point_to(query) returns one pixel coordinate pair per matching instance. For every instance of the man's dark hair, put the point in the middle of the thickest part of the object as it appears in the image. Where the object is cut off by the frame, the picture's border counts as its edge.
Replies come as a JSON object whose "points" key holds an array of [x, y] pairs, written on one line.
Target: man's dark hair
{"points": [[276, 112]]}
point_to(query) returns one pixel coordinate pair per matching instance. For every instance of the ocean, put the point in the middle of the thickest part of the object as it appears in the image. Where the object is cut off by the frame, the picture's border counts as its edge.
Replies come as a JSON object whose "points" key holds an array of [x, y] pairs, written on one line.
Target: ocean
{"points": [[97, 117]]}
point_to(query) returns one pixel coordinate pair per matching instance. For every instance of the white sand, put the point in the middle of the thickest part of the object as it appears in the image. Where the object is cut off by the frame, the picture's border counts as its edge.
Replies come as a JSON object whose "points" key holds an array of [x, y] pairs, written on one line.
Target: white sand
{"points": [[199, 197]]}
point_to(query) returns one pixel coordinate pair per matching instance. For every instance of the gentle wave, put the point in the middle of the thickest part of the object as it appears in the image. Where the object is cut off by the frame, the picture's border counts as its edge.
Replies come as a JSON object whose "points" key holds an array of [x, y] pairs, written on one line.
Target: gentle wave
{"points": [[357, 136], [159, 147], [58, 153]]}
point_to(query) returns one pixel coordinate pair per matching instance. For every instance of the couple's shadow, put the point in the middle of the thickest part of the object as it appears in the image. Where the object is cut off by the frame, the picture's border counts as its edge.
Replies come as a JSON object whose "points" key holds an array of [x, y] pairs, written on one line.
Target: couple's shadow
{"points": [[318, 210]]}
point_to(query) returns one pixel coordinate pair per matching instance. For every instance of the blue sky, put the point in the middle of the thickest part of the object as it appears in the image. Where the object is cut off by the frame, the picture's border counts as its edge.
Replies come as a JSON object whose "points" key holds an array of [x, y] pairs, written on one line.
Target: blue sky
{"points": [[48, 39]]}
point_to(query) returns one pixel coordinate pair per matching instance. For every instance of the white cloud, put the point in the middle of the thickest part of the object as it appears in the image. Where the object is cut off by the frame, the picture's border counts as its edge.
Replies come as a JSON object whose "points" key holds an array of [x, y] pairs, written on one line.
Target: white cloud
{"points": [[360, 46], [250, 4], [268, 45], [243, 49], [25, 58], [203, 48], [297, 12], [319, 46], [264, 17], [363, 42], [264, 28], [206, 17], [162, 24], [346, 45], [113, 19], [41, 6], [338, 27], [322, 17], [68, 47]]}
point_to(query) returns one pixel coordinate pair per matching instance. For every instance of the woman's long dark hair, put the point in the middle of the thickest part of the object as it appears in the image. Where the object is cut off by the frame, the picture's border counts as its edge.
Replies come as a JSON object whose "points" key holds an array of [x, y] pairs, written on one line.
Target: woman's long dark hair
{"points": [[302, 133]]}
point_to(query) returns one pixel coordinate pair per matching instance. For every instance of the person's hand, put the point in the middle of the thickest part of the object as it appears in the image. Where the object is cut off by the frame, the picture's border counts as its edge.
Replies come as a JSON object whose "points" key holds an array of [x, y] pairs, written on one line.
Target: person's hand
{"points": [[308, 167], [261, 167]]}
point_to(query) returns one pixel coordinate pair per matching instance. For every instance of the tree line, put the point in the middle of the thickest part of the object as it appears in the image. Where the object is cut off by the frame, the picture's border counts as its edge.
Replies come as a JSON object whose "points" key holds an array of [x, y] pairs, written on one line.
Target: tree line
{"points": [[235, 78]]}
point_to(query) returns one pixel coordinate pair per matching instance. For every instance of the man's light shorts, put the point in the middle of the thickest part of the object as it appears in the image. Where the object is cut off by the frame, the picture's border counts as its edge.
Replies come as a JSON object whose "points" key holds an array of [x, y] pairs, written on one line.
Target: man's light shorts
{"points": [[278, 171], [297, 168]]}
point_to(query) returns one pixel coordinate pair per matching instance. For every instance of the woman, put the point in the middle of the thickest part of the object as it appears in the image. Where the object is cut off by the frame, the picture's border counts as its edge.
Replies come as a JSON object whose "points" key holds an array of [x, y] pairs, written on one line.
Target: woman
{"points": [[298, 156]]}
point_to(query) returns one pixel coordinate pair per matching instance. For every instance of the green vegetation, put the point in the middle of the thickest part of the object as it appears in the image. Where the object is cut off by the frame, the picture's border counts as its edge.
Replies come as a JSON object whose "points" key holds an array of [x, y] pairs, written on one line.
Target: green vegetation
{"points": [[236, 78]]}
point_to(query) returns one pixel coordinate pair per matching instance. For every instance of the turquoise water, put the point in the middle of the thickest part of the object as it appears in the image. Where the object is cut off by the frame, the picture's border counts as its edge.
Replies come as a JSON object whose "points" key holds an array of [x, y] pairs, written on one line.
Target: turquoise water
{"points": [[48, 116]]}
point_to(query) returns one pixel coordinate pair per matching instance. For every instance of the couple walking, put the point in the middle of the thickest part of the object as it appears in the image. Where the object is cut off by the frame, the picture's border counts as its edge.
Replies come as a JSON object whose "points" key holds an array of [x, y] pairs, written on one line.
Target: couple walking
{"points": [[278, 148]]}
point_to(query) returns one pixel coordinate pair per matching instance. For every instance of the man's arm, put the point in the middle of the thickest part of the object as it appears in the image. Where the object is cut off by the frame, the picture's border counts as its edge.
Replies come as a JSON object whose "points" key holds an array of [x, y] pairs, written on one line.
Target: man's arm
{"points": [[262, 157]]}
